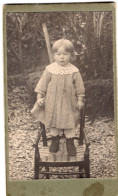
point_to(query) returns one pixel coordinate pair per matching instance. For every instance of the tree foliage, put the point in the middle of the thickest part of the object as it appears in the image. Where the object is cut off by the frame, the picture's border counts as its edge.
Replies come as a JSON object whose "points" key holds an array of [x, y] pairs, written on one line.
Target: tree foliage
{"points": [[90, 32]]}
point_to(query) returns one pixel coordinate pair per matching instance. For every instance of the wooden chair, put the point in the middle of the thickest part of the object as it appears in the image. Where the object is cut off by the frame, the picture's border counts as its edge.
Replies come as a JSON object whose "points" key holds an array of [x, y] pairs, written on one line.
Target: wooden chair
{"points": [[44, 160]]}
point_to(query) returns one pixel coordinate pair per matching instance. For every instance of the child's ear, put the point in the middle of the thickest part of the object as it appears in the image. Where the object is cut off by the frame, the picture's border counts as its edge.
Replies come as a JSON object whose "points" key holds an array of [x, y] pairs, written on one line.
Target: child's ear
{"points": [[53, 56], [71, 58]]}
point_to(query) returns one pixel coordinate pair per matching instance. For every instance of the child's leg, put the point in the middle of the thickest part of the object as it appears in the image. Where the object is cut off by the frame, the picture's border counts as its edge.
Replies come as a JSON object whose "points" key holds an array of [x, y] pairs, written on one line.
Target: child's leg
{"points": [[54, 132], [70, 133], [54, 147]]}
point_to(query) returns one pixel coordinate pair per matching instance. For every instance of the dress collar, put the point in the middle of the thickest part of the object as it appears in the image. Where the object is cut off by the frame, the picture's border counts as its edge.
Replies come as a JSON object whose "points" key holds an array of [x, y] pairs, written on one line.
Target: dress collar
{"points": [[56, 69]]}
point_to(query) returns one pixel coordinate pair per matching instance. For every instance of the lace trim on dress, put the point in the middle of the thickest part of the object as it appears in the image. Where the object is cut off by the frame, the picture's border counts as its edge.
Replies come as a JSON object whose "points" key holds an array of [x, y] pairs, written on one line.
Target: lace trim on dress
{"points": [[56, 69]]}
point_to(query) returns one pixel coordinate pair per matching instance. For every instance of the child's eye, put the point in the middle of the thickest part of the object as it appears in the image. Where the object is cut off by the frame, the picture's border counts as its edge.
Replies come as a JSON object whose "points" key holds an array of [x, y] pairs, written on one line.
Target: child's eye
{"points": [[66, 53]]}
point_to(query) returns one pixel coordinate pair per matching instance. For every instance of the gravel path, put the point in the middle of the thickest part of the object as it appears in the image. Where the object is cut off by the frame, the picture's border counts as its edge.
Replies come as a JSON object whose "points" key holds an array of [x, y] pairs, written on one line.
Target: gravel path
{"points": [[22, 130]]}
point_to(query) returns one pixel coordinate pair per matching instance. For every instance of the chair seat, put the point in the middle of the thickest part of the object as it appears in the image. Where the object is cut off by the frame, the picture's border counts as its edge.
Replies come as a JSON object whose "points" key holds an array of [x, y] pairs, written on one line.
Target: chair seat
{"points": [[62, 156]]}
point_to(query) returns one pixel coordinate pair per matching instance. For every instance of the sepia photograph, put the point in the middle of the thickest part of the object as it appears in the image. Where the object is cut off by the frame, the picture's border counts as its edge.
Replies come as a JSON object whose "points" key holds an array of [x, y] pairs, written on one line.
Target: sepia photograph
{"points": [[60, 95]]}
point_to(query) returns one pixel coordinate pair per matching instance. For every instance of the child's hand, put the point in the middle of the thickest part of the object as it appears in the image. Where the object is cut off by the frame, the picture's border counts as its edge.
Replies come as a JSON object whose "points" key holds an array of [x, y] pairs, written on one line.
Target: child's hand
{"points": [[40, 101], [80, 105]]}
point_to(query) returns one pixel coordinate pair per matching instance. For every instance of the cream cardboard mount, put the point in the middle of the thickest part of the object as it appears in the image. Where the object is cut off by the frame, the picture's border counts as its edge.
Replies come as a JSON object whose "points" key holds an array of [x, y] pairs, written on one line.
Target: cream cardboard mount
{"points": [[28, 43]]}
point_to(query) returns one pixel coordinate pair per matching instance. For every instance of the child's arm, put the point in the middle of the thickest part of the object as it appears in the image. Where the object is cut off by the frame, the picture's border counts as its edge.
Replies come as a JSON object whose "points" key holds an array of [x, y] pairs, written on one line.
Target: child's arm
{"points": [[80, 90], [41, 87], [80, 102], [40, 99]]}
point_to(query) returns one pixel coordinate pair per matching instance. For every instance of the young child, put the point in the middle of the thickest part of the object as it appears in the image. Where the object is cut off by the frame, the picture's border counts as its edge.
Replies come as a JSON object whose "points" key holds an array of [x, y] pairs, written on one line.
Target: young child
{"points": [[60, 95]]}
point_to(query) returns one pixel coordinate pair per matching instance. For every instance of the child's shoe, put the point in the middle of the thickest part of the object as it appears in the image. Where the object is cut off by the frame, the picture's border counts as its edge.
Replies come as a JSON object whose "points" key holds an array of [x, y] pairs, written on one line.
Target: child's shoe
{"points": [[54, 147], [70, 146]]}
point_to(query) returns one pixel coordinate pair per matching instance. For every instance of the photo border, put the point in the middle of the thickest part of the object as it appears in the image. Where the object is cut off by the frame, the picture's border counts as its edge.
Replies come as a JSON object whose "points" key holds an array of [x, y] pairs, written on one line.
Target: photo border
{"points": [[57, 187]]}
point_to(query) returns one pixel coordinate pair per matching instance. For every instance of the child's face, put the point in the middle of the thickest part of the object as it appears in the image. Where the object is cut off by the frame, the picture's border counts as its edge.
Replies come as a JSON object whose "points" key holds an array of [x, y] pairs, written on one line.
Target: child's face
{"points": [[62, 57]]}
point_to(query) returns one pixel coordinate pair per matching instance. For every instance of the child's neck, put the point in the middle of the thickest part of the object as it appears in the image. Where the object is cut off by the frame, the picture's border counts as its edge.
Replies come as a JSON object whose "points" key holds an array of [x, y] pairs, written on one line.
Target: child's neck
{"points": [[66, 65]]}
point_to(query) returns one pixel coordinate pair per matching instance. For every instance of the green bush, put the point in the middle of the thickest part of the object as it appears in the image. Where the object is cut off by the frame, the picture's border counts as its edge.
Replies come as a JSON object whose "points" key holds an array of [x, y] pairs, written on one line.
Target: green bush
{"points": [[99, 98]]}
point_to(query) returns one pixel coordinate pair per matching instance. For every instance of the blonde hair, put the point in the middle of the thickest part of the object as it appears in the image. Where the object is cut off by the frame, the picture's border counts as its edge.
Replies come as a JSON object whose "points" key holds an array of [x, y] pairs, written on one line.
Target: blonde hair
{"points": [[67, 45]]}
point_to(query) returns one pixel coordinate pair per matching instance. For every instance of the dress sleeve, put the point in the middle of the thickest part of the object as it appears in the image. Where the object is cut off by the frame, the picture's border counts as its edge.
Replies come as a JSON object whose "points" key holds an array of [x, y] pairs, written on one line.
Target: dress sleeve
{"points": [[42, 85], [79, 84]]}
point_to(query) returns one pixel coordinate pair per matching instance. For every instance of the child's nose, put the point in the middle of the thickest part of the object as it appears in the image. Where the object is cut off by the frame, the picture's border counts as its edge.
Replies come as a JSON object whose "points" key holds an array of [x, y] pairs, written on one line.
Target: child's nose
{"points": [[62, 56]]}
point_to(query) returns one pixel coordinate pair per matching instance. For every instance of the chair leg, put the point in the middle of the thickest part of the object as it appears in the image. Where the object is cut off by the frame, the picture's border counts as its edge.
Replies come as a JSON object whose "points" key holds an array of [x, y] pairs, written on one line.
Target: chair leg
{"points": [[87, 163], [47, 175], [37, 158], [81, 169]]}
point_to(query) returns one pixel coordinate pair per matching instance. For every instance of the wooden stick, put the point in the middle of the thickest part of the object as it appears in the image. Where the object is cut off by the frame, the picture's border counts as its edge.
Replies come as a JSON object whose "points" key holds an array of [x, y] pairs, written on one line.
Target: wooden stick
{"points": [[47, 42]]}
